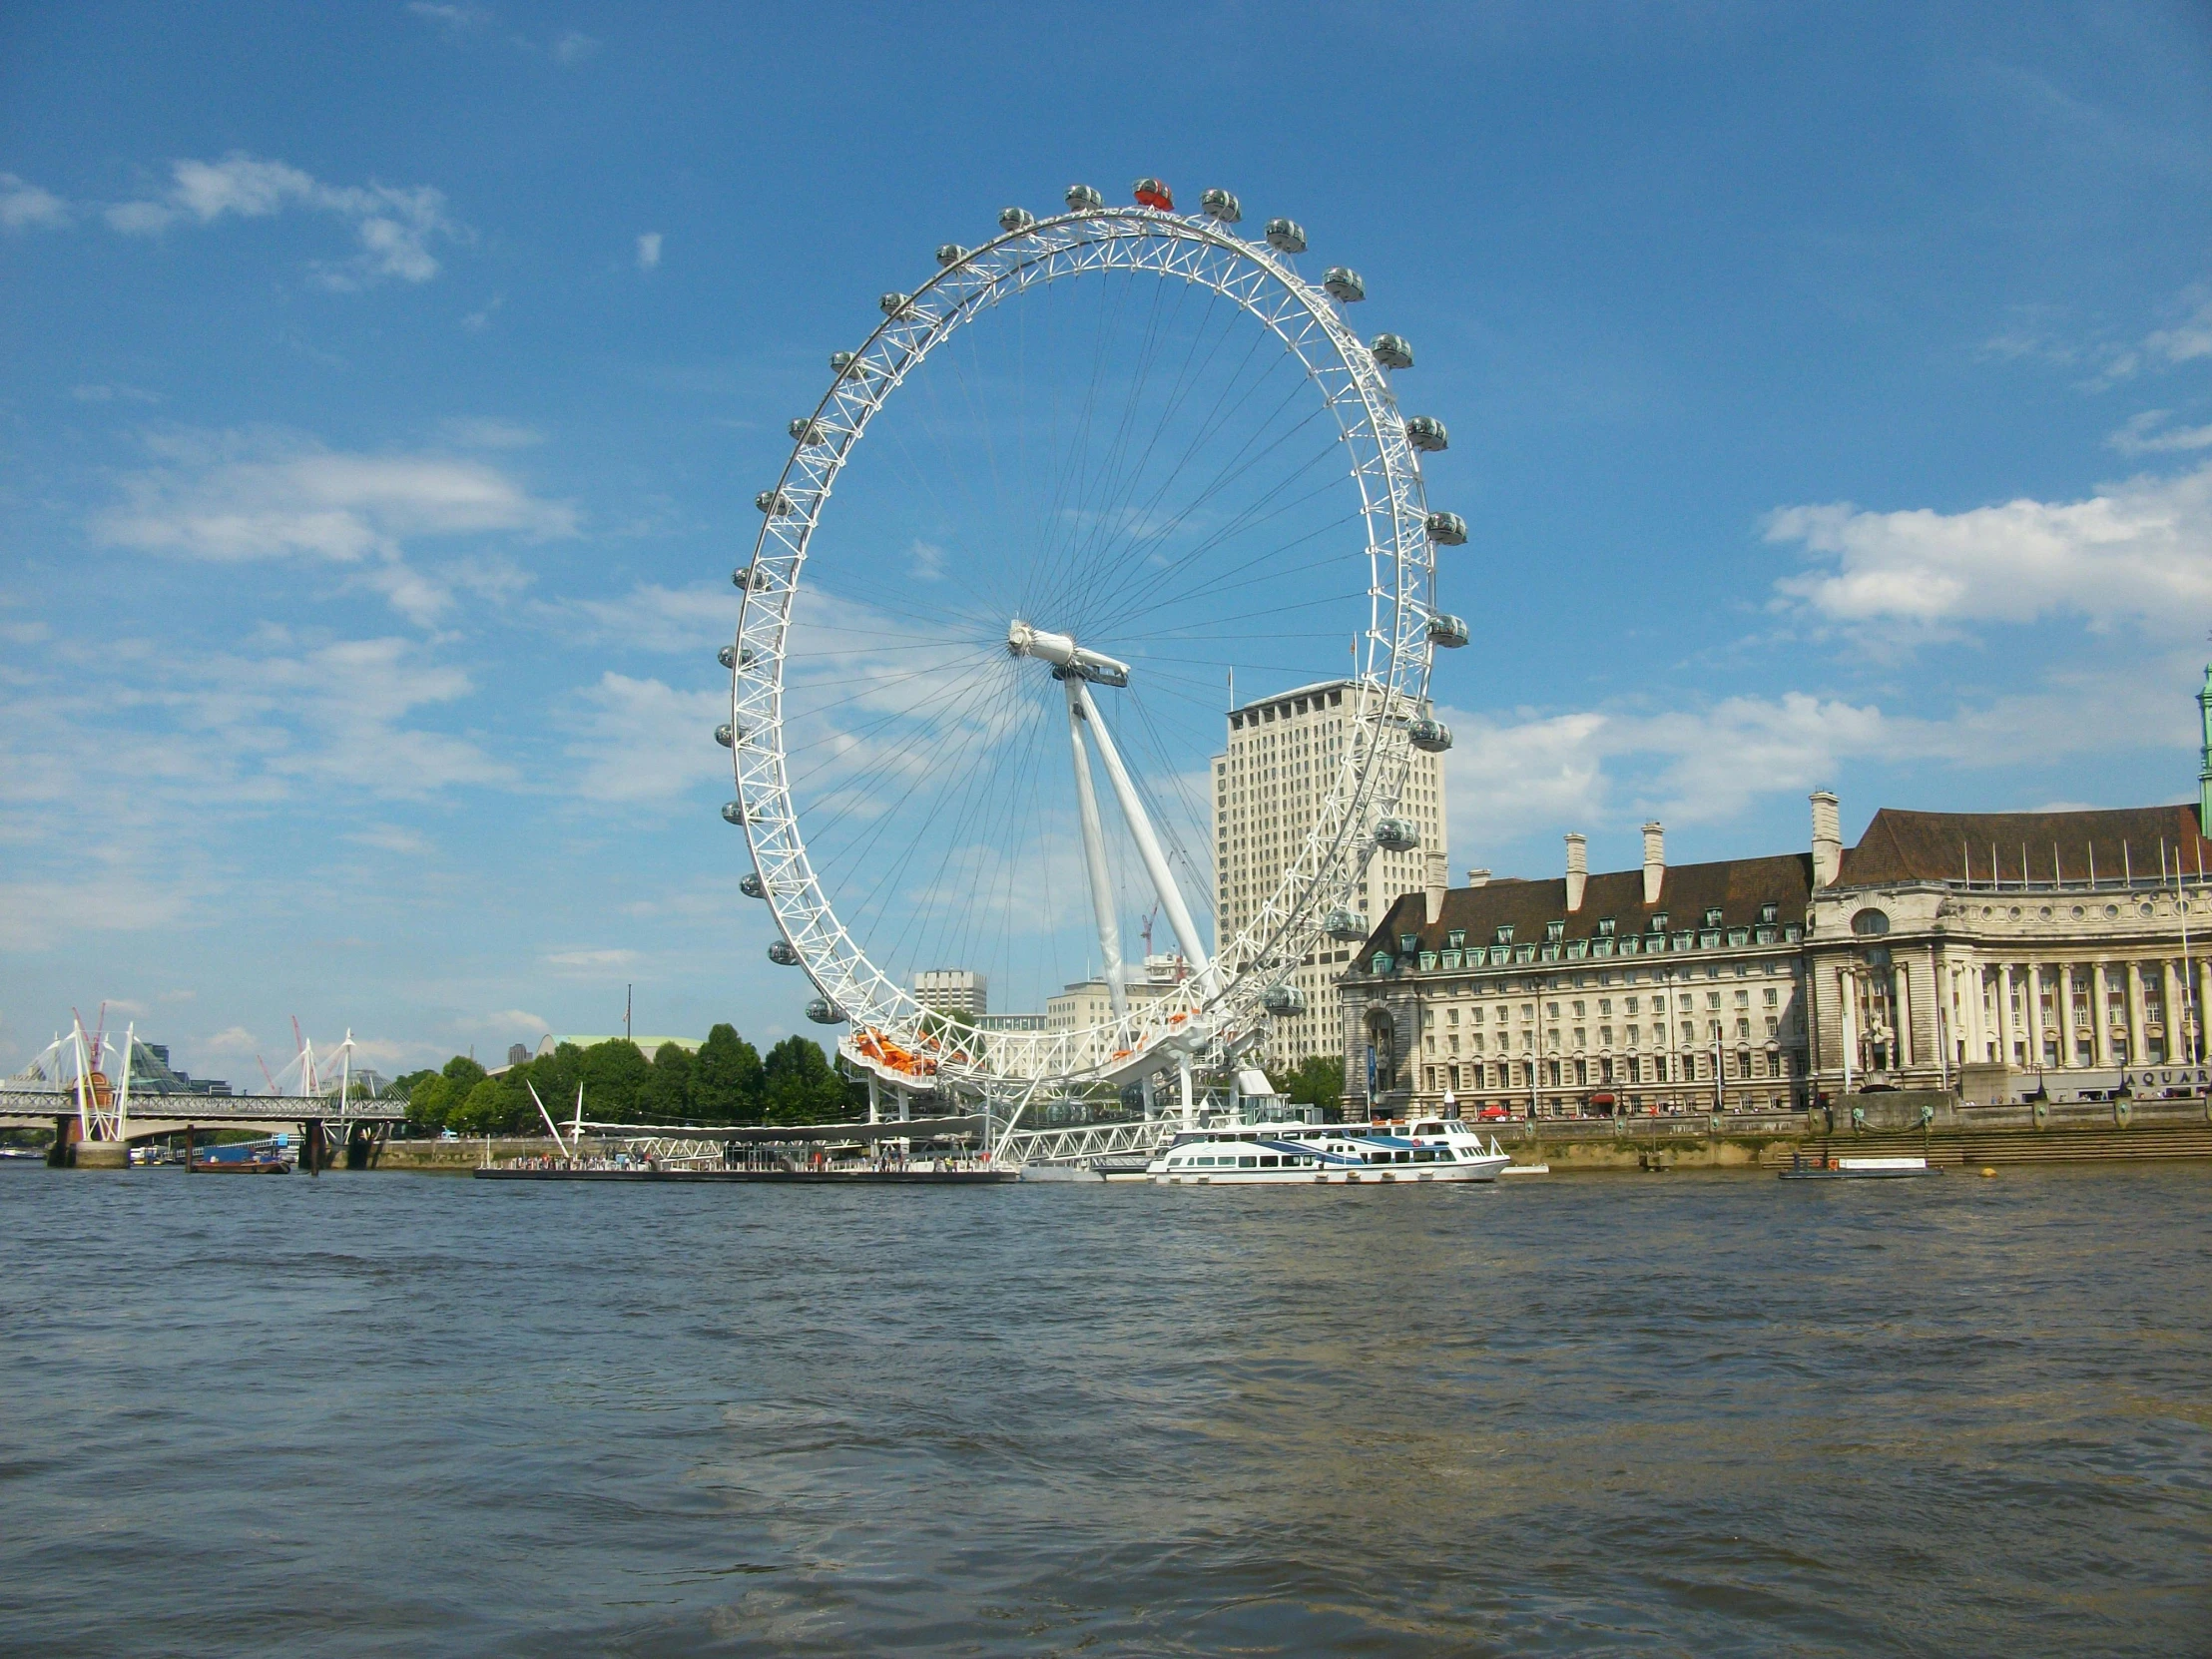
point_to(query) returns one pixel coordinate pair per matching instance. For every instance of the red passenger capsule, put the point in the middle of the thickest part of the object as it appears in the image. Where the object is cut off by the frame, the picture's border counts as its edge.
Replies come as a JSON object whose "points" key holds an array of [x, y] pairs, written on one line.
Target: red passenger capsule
{"points": [[1151, 193]]}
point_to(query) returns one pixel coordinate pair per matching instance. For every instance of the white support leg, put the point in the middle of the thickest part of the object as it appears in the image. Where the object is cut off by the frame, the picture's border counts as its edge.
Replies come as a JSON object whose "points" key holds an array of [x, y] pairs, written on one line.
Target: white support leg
{"points": [[1094, 854], [1183, 1075], [1140, 828]]}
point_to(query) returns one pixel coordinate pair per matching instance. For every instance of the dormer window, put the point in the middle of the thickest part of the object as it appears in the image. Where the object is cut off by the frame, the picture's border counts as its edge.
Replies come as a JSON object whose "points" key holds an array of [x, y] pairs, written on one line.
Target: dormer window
{"points": [[1504, 935], [1767, 912], [1554, 931], [1606, 928], [1713, 915], [1658, 921], [1456, 939], [1407, 944]]}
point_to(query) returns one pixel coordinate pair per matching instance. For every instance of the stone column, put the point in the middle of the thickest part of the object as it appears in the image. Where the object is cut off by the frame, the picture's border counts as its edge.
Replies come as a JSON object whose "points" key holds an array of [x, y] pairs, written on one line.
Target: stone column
{"points": [[2169, 1010], [2131, 977], [1977, 1042], [2034, 1013], [1901, 980], [2100, 1024], [2005, 1022]]}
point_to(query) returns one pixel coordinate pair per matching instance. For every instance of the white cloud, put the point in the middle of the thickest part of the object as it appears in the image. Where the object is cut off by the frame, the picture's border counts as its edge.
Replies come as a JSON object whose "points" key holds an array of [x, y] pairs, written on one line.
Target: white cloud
{"points": [[2188, 339], [928, 561], [112, 394], [37, 913], [591, 962], [389, 838], [2147, 433], [652, 618], [23, 205], [235, 498], [642, 741], [574, 46], [518, 1017], [649, 249], [1708, 763], [393, 225], [2139, 551], [455, 18]]}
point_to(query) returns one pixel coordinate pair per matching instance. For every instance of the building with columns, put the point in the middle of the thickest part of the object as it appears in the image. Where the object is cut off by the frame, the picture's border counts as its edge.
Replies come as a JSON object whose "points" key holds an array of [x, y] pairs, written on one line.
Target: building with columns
{"points": [[1663, 988], [2005, 954]]}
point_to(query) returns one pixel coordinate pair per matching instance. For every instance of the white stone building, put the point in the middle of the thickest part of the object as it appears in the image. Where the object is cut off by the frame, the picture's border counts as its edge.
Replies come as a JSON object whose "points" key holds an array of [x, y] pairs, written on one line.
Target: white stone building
{"points": [[959, 992], [1269, 785]]}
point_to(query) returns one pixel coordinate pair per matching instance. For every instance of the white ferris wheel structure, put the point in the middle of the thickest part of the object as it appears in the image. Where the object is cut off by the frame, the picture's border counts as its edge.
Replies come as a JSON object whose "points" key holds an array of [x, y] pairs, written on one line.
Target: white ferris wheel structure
{"points": [[1144, 454]]}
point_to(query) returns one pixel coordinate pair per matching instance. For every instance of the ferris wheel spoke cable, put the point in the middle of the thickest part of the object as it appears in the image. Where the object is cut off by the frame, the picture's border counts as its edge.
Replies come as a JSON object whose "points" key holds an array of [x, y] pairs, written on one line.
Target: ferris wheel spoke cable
{"points": [[1218, 416], [893, 871]]}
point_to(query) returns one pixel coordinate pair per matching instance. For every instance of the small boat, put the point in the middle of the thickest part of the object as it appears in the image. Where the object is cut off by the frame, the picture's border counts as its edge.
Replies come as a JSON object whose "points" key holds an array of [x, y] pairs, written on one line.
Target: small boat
{"points": [[237, 1166], [1303, 1155], [1856, 1169], [1525, 1169]]}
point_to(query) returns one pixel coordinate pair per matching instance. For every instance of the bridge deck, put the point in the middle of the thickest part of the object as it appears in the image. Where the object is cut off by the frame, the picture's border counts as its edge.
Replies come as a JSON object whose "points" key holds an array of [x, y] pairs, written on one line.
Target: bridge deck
{"points": [[168, 1114]]}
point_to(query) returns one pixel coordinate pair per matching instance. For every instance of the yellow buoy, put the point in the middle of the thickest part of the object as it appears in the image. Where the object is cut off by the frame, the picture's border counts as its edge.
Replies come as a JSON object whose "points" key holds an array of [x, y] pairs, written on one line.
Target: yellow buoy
{"points": [[1986, 1170]]}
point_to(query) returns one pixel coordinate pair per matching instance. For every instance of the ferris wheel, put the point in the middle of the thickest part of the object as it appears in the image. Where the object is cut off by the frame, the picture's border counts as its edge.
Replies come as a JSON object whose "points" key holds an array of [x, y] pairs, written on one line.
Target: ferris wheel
{"points": [[1119, 459]]}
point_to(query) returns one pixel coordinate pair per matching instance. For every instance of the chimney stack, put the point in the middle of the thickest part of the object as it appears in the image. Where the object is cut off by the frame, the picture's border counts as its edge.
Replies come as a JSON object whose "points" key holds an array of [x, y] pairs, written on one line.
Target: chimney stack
{"points": [[1432, 895], [1578, 869], [1827, 839], [1478, 877], [1655, 862]]}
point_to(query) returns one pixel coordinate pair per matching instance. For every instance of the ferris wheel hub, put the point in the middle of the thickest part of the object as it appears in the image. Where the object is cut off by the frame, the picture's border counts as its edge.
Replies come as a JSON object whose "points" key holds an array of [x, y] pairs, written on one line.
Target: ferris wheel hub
{"points": [[1067, 657]]}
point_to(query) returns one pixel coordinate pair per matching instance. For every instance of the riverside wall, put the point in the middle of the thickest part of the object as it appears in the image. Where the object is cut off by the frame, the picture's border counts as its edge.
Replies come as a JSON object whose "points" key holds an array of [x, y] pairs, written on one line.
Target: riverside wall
{"points": [[1935, 1125]]}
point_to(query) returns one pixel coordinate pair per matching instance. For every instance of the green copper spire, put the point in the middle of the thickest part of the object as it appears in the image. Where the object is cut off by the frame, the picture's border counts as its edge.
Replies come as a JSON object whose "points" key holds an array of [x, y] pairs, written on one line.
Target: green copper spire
{"points": [[2204, 765]]}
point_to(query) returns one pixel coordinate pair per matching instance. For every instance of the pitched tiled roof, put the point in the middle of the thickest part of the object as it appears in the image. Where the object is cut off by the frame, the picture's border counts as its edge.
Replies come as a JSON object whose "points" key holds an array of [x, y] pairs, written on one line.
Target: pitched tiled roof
{"points": [[2042, 847], [1739, 887]]}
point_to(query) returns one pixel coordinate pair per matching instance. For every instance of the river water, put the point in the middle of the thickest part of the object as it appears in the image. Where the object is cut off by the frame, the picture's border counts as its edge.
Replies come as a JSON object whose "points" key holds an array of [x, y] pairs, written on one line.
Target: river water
{"points": [[385, 1413]]}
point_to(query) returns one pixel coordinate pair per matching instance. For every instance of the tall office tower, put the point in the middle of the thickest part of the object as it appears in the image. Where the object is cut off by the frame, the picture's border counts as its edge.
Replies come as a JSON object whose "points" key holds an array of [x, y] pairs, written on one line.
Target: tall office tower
{"points": [[1268, 790], [961, 991]]}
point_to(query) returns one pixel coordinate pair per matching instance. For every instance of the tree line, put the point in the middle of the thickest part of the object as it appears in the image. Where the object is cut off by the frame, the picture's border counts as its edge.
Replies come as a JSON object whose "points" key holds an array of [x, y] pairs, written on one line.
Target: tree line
{"points": [[726, 1082]]}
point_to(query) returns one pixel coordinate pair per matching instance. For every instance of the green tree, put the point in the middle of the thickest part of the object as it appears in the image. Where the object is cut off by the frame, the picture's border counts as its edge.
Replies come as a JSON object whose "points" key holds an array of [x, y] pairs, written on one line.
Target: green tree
{"points": [[555, 1077], [727, 1079], [801, 1086], [1317, 1080], [487, 1109], [615, 1075], [667, 1094], [429, 1100]]}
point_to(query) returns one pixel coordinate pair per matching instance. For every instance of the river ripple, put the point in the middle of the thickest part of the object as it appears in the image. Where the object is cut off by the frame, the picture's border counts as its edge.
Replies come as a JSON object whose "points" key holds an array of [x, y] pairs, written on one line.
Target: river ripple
{"points": [[1670, 1415]]}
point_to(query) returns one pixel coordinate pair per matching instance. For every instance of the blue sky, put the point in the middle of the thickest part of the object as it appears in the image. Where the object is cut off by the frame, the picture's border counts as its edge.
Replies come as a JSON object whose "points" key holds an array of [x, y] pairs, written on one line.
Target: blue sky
{"points": [[385, 388]]}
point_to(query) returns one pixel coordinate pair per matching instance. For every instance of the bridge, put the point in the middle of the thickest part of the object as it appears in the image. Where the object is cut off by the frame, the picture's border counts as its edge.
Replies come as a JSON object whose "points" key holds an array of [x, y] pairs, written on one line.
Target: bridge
{"points": [[95, 1133]]}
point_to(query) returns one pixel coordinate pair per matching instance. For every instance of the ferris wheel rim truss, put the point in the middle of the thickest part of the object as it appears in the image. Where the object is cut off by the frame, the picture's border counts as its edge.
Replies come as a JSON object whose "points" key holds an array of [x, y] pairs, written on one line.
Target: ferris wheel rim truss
{"points": [[1227, 1011]]}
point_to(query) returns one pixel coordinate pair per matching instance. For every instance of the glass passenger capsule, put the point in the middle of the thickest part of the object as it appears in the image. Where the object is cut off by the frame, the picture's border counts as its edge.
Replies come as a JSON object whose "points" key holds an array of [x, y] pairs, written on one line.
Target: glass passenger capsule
{"points": [[1084, 198], [1341, 923], [1448, 631], [839, 361], [748, 576], [824, 1012], [1395, 834], [1221, 206], [780, 952], [1448, 529], [1426, 434], [1431, 737], [733, 812], [1153, 192], [775, 502], [894, 303], [726, 735], [1014, 220], [951, 253], [727, 656], [1343, 284], [750, 886], [804, 431], [1284, 1000], [1286, 236], [1392, 352]]}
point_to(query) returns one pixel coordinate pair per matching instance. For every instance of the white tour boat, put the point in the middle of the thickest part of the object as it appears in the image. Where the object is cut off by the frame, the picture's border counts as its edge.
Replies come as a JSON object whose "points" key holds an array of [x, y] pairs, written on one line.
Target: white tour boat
{"points": [[1336, 1154]]}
